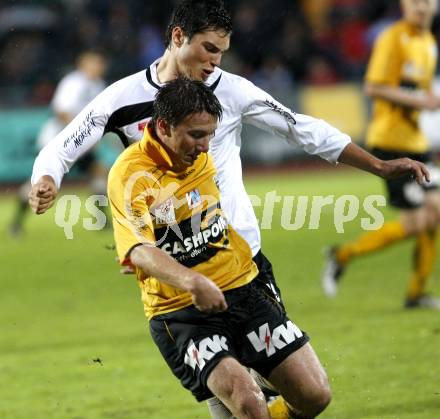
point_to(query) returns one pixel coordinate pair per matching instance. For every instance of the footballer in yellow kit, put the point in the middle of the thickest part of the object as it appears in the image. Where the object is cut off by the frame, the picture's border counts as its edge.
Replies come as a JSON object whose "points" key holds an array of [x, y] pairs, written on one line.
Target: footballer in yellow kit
{"points": [[398, 79], [179, 213], [406, 57], [209, 312]]}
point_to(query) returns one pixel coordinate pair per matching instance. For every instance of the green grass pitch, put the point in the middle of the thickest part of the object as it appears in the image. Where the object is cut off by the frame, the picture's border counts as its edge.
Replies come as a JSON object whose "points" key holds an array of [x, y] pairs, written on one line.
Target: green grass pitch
{"points": [[74, 341]]}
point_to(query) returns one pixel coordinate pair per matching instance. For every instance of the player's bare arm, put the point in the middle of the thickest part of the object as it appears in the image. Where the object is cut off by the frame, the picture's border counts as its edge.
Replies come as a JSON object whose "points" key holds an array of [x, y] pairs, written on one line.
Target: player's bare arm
{"points": [[355, 156], [42, 195], [400, 96], [206, 295]]}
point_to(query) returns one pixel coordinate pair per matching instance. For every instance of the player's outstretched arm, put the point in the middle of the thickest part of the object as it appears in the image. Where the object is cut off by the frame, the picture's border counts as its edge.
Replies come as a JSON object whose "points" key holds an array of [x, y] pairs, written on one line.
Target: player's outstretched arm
{"points": [[400, 96], [314, 136], [42, 195], [355, 156], [76, 139], [206, 295]]}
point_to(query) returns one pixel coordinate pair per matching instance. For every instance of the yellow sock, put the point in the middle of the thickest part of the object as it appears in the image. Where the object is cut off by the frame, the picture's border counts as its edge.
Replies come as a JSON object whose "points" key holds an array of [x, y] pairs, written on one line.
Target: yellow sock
{"points": [[278, 409], [424, 258], [388, 234]]}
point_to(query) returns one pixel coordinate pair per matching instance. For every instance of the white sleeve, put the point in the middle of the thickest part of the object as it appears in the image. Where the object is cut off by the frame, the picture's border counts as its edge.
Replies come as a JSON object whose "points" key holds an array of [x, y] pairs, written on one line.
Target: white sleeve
{"points": [[86, 129], [313, 135]]}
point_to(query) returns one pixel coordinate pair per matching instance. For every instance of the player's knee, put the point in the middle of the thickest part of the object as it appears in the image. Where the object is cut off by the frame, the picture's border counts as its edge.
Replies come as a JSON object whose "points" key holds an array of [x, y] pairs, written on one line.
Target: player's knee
{"points": [[239, 391], [316, 399], [252, 404], [321, 400], [249, 400], [417, 226], [435, 219], [431, 222], [315, 402]]}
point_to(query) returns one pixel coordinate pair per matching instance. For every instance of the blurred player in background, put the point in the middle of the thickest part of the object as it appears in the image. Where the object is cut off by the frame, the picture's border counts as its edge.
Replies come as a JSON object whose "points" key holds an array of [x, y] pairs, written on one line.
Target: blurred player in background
{"points": [[399, 80], [73, 93]]}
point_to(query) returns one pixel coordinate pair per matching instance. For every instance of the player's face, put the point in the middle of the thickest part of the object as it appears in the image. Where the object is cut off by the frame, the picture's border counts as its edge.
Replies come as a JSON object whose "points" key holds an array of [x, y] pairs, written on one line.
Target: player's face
{"points": [[191, 137], [94, 65], [197, 58], [419, 12]]}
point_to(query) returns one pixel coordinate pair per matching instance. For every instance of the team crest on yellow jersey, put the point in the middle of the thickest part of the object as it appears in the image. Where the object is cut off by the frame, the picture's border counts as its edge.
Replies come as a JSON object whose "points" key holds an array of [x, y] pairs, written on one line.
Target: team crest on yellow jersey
{"points": [[194, 199]]}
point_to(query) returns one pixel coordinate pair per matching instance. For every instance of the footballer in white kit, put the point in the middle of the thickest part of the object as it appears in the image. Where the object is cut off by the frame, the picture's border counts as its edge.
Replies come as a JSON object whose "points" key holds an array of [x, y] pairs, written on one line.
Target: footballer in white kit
{"points": [[126, 106]]}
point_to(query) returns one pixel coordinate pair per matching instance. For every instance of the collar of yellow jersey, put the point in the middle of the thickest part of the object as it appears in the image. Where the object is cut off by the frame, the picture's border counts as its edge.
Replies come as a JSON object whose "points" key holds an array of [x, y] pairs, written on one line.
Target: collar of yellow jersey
{"points": [[413, 30], [155, 150]]}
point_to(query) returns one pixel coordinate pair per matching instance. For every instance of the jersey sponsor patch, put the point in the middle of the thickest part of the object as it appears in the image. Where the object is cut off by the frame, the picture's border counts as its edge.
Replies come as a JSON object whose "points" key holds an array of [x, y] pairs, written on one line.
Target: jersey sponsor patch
{"points": [[269, 341], [190, 244], [165, 213], [288, 116]]}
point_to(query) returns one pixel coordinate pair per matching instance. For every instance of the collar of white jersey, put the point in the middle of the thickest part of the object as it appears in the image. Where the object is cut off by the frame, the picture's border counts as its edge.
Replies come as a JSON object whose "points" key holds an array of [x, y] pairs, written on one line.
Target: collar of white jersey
{"points": [[212, 81]]}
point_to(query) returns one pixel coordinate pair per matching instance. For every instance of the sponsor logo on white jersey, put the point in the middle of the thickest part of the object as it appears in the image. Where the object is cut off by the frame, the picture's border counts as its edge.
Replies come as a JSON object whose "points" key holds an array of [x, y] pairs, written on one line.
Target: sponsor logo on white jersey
{"points": [[207, 348], [280, 337]]}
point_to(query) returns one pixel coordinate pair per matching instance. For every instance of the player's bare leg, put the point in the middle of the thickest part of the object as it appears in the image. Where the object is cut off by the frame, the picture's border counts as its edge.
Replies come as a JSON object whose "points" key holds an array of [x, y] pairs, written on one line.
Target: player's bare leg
{"points": [[303, 383], [425, 256], [16, 227], [218, 410], [234, 386]]}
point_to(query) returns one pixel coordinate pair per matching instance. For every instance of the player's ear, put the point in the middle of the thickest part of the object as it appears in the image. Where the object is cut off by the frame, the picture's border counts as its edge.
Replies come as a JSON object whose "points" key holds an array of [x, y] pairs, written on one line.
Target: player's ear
{"points": [[177, 36], [163, 128]]}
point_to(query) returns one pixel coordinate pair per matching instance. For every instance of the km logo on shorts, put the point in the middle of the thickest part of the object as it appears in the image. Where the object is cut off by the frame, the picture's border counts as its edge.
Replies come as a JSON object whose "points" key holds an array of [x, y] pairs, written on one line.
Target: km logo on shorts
{"points": [[280, 337], [208, 347]]}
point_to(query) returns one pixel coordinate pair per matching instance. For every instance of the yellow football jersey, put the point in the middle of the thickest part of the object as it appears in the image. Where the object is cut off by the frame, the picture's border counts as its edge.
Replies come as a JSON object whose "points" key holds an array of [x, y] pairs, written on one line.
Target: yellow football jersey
{"points": [[178, 212], [402, 56]]}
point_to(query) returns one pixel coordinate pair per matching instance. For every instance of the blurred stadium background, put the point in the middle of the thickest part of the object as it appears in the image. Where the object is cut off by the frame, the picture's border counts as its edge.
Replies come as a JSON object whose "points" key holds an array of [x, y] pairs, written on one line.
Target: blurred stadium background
{"points": [[310, 55], [73, 341]]}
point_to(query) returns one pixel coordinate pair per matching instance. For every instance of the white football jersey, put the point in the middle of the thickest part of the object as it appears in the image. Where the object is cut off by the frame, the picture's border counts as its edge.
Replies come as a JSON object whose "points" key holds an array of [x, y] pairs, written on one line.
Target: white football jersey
{"points": [[73, 93], [126, 106]]}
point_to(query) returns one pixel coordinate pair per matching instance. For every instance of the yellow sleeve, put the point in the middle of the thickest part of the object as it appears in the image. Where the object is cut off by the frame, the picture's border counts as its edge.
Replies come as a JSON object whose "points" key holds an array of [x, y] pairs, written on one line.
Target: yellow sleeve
{"points": [[385, 61], [132, 223]]}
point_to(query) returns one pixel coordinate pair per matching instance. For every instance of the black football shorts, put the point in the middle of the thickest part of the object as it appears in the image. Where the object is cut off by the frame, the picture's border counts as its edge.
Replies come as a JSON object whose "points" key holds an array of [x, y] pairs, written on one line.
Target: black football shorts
{"points": [[405, 192], [254, 329], [266, 279]]}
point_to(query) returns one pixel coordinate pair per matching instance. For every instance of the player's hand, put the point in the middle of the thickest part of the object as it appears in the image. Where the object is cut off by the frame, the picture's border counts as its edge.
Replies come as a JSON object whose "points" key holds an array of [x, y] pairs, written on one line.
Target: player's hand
{"points": [[206, 295], [393, 169], [430, 102], [42, 195]]}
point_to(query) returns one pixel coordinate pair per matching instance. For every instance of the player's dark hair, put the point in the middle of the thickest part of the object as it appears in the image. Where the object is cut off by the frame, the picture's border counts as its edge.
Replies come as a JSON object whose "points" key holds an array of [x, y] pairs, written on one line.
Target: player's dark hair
{"points": [[195, 16], [183, 97]]}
